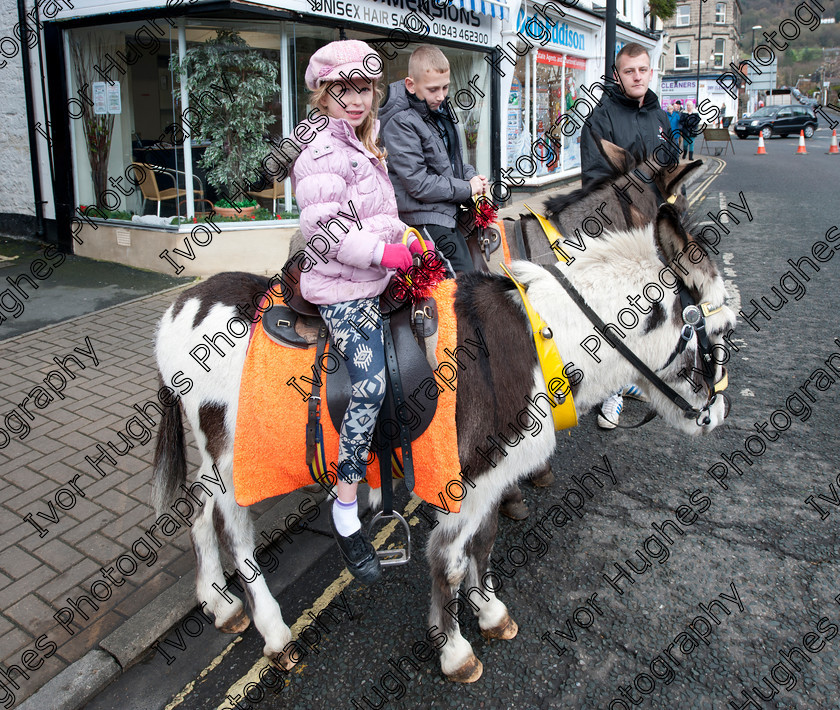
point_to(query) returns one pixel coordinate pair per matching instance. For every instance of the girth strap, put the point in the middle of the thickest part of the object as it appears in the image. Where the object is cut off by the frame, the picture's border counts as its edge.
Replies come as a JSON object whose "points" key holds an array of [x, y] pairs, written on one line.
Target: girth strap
{"points": [[314, 403]]}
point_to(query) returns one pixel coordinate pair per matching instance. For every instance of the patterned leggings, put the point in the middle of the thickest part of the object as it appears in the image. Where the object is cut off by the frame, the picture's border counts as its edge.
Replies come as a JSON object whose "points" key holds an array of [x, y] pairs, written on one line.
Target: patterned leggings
{"points": [[362, 345]]}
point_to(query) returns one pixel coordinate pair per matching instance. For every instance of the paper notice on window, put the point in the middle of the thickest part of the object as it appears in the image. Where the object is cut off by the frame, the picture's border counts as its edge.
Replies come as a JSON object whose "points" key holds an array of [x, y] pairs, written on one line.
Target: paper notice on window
{"points": [[114, 102], [100, 105]]}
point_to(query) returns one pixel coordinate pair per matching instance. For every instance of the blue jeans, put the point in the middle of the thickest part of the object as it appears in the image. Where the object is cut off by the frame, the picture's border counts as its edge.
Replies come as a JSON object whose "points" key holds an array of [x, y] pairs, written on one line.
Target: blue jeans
{"points": [[356, 331]]}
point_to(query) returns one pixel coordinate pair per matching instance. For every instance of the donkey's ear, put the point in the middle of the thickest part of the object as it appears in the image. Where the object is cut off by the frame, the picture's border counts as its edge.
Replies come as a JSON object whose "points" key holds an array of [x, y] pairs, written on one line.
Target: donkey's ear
{"points": [[618, 159], [669, 233], [674, 178]]}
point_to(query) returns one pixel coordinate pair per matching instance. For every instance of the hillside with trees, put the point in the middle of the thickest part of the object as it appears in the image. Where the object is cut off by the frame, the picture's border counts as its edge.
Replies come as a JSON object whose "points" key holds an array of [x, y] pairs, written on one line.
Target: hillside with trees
{"points": [[803, 61]]}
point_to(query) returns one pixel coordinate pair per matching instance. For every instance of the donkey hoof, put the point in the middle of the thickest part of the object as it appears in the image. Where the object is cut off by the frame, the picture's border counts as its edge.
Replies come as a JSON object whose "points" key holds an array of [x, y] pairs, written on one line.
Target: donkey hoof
{"points": [[470, 672], [514, 509], [236, 624], [506, 630], [542, 479], [283, 659]]}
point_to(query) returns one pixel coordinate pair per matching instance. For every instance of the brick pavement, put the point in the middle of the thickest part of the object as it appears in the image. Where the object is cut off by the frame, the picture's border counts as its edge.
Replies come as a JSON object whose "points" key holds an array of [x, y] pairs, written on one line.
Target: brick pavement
{"points": [[39, 572]]}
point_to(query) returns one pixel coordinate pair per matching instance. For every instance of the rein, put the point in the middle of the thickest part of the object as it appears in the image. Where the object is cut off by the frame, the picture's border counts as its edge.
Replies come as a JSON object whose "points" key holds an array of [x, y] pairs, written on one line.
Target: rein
{"points": [[632, 358], [695, 324]]}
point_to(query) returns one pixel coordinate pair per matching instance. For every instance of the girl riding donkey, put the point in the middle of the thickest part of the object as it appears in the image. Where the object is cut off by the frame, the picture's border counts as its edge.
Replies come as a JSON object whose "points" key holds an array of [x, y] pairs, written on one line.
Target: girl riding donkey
{"points": [[342, 173]]}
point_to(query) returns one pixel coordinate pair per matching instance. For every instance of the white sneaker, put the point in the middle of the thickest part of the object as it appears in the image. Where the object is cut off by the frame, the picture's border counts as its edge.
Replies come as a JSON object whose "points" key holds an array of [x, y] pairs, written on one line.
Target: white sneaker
{"points": [[633, 392], [610, 411]]}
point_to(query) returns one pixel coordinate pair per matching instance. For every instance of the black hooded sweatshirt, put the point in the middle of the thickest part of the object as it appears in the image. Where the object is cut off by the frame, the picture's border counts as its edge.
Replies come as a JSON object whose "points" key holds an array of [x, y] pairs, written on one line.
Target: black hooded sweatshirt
{"points": [[620, 120]]}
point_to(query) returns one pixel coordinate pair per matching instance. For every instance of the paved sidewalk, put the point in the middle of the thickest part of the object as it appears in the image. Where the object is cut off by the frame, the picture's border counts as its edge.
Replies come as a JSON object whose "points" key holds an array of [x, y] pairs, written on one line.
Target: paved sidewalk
{"points": [[87, 521], [82, 590]]}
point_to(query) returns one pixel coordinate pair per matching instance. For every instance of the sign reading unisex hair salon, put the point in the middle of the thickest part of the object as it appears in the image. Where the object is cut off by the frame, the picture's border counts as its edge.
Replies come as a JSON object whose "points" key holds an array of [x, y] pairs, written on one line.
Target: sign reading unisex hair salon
{"points": [[468, 21]]}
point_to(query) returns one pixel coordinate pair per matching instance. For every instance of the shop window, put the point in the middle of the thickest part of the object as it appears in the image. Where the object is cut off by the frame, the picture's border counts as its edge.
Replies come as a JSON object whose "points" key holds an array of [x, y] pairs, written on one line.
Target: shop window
{"points": [[718, 55], [132, 160], [225, 63], [683, 15], [720, 13], [543, 129], [469, 97], [682, 54]]}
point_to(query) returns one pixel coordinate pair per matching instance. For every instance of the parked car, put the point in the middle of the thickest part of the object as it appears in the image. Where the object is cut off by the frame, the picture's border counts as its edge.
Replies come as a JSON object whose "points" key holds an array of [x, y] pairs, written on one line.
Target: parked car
{"points": [[779, 121]]}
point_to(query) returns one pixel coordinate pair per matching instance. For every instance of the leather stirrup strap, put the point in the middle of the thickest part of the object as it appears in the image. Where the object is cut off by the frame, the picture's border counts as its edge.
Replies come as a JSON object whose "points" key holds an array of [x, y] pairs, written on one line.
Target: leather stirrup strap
{"points": [[314, 416], [393, 372], [384, 453]]}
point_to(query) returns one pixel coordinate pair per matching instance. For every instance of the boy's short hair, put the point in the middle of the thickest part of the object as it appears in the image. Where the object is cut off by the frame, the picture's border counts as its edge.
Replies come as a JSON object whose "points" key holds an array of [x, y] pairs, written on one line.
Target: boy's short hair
{"points": [[631, 49], [426, 58]]}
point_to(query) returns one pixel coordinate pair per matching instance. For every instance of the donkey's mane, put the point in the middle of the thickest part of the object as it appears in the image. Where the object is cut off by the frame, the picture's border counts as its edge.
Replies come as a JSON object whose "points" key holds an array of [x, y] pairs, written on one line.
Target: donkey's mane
{"points": [[555, 205], [627, 251]]}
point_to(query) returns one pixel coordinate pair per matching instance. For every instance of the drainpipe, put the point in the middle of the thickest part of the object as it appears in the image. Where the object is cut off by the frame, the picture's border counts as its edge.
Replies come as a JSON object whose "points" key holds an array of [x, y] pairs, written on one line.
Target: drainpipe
{"points": [[30, 119]]}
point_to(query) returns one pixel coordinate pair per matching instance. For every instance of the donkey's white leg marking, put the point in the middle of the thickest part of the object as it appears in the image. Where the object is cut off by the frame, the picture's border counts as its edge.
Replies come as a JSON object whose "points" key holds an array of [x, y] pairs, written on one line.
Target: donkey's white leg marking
{"points": [[491, 612], [450, 540], [264, 607]]}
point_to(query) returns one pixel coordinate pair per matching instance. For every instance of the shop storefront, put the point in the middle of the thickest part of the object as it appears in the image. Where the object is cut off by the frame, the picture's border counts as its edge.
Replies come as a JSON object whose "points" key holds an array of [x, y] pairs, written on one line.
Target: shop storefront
{"points": [[151, 145], [711, 96], [543, 144]]}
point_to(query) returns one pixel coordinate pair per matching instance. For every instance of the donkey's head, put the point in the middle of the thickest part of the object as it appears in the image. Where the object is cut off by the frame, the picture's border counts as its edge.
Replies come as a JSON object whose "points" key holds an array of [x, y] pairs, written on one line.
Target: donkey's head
{"points": [[649, 285], [666, 173]]}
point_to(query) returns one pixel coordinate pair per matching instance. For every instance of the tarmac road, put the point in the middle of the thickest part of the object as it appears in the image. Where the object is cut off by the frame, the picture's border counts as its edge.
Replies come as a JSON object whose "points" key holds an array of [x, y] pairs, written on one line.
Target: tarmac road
{"points": [[758, 548]]}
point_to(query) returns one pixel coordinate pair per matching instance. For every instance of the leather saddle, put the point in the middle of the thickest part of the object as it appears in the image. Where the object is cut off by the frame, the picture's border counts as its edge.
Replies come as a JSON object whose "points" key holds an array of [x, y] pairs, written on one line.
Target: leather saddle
{"points": [[298, 324]]}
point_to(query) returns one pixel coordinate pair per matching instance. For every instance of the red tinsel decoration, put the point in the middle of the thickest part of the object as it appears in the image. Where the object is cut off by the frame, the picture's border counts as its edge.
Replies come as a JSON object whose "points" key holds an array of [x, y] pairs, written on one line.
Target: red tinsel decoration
{"points": [[419, 282], [485, 212]]}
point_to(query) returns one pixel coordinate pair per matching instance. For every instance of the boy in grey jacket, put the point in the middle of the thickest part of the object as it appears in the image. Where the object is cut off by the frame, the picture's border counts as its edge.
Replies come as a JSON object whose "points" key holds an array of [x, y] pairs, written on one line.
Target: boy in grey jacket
{"points": [[425, 164]]}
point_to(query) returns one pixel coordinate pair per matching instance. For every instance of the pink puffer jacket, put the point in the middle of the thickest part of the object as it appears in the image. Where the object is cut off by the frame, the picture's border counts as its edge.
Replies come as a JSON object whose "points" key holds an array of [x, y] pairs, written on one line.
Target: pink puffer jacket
{"points": [[341, 186]]}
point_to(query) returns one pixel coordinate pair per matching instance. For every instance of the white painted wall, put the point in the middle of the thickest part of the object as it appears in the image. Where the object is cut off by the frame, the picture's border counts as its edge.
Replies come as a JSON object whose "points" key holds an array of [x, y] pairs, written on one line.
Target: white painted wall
{"points": [[15, 173]]}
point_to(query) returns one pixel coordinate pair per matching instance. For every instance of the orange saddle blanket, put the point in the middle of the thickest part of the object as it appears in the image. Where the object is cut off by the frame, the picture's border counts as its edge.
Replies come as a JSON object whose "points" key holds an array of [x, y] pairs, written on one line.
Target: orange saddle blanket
{"points": [[269, 453]]}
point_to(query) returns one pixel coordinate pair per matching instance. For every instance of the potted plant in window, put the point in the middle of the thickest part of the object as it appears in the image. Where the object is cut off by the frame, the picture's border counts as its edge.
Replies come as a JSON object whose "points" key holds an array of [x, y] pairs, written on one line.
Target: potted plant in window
{"points": [[230, 85]]}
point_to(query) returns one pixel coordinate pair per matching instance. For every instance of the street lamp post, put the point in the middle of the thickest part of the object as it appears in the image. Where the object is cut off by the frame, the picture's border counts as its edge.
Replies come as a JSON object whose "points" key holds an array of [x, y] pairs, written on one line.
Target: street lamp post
{"points": [[699, 33], [755, 27]]}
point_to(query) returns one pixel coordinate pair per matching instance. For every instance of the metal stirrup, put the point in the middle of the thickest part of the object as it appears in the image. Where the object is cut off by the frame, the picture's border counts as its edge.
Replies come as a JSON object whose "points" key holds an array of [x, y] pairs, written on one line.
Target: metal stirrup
{"points": [[392, 557]]}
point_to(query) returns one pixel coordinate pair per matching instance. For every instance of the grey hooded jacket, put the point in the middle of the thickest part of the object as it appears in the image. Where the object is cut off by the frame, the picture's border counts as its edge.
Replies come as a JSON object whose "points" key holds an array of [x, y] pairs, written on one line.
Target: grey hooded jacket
{"points": [[429, 187]]}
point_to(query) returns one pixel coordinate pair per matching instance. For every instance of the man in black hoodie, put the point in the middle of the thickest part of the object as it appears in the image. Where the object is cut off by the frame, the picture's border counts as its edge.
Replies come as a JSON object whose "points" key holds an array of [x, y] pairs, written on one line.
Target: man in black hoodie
{"points": [[425, 164], [630, 116]]}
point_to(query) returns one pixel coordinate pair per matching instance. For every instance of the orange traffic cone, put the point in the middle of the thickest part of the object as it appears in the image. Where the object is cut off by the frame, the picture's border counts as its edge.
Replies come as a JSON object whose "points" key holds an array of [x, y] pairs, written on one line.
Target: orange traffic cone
{"points": [[801, 149], [833, 150], [761, 150]]}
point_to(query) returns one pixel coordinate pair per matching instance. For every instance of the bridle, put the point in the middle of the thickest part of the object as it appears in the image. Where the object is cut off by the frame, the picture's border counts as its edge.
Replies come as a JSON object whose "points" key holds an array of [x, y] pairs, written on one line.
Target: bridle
{"points": [[694, 318]]}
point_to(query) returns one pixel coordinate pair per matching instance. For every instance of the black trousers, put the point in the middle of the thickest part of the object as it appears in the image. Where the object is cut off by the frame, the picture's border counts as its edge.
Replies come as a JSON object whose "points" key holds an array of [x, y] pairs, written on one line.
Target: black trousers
{"points": [[452, 245]]}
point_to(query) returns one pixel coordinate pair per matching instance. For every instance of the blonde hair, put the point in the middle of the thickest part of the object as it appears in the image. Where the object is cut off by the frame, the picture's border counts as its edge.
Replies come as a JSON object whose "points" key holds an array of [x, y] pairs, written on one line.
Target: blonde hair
{"points": [[364, 131], [426, 58]]}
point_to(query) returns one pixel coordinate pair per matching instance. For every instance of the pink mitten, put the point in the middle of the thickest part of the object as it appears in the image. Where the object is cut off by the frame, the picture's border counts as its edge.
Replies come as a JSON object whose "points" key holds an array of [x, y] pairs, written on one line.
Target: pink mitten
{"points": [[415, 247], [396, 256]]}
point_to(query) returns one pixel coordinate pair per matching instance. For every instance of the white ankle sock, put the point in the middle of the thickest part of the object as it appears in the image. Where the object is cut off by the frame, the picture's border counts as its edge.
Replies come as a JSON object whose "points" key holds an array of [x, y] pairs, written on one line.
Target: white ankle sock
{"points": [[346, 517]]}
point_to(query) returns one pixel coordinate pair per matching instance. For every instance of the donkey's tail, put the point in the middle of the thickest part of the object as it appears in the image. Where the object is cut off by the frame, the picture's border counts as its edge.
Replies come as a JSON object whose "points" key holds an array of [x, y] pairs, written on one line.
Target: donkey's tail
{"points": [[170, 467]]}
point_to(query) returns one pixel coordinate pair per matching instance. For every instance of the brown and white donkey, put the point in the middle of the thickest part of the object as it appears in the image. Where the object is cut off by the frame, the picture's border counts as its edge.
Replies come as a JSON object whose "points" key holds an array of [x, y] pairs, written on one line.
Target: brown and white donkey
{"points": [[491, 396]]}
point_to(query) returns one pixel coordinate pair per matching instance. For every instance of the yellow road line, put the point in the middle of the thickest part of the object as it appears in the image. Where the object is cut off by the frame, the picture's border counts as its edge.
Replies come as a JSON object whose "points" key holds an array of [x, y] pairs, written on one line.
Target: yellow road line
{"points": [[332, 590], [701, 189]]}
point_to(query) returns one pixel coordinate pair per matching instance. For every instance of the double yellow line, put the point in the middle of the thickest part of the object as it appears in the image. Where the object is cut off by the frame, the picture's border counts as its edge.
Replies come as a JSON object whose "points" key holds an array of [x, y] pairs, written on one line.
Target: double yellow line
{"points": [[698, 193], [331, 592]]}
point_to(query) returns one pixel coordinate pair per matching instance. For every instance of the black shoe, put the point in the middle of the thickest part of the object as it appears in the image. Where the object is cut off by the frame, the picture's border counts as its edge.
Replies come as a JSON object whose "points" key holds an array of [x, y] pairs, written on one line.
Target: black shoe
{"points": [[359, 555]]}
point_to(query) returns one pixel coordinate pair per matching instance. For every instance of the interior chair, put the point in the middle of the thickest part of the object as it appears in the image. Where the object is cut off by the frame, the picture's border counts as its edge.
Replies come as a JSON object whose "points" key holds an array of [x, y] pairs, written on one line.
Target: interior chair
{"points": [[151, 190], [274, 192]]}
